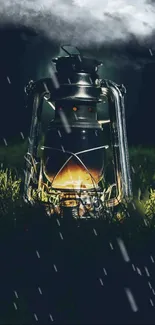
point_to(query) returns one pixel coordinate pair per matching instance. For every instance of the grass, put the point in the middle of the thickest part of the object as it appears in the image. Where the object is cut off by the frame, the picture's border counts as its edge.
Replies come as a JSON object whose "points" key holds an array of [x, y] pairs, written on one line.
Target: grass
{"points": [[136, 230], [143, 176]]}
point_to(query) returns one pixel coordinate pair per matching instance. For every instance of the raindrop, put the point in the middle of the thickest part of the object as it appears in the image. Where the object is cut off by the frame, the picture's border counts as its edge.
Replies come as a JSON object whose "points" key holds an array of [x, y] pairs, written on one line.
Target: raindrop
{"points": [[46, 88], [151, 302], [38, 254], [75, 116], [151, 53], [101, 282], [22, 135], [105, 272], [139, 271], [133, 169], [131, 300], [51, 318], [35, 316], [59, 134], [123, 250], [111, 246], [58, 222], [5, 141], [61, 235], [15, 305], [146, 270], [55, 268], [146, 224], [40, 290], [54, 78], [62, 148], [133, 204], [152, 259], [95, 232], [8, 79], [150, 285], [65, 121], [16, 294]]}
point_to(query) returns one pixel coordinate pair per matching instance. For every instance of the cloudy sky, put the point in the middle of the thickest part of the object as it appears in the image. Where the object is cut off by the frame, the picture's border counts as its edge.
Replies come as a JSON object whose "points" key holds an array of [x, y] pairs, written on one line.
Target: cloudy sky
{"points": [[119, 32], [84, 22]]}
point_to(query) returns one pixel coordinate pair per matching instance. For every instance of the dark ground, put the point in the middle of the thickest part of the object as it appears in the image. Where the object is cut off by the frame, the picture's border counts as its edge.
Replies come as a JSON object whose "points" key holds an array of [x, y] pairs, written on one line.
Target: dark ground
{"points": [[81, 273]]}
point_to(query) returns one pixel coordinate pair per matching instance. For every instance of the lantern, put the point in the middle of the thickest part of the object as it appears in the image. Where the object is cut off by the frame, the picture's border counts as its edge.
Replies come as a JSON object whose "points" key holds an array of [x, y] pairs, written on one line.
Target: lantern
{"points": [[79, 164]]}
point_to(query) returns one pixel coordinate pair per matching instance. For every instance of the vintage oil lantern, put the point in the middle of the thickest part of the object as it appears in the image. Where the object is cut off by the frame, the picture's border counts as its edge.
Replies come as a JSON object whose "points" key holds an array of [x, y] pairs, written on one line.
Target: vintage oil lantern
{"points": [[78, 165]]}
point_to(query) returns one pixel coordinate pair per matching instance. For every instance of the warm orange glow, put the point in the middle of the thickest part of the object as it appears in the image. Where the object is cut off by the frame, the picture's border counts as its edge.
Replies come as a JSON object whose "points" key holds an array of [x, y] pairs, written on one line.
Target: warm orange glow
{"points": [[74, 176], [74, 109], [70, 203]]}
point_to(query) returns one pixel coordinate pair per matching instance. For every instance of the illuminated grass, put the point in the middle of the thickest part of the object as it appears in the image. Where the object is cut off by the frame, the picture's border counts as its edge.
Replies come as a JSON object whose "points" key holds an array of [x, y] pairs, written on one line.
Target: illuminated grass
{"points": [[10, 190], [150, 205], [143, 175]]}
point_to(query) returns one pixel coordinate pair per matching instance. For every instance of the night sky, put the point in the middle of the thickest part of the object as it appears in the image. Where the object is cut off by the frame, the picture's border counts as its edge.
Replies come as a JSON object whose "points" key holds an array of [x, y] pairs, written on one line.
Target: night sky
{"points": [[25, 55]]}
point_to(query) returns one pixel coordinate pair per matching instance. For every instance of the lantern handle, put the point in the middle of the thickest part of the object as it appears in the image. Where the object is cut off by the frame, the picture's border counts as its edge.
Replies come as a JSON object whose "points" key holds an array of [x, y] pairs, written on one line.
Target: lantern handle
{"points": [[63, 48]]}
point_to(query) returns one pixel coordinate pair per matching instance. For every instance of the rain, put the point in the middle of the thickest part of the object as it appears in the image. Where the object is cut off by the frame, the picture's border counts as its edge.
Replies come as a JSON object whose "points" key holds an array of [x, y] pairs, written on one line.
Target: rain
{"points": [[22, 135], [35, 316], [15, 305], [131, 299], [76, 262], [54, 78], [40, 291], [8, 79], [123, 249], [65, 121], [5, 142], [151, 53]]}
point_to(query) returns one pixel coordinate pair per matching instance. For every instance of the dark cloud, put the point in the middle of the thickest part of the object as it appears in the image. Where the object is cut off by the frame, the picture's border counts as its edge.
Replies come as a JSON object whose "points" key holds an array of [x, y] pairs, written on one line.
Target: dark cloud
{"points": [[83, 22]]}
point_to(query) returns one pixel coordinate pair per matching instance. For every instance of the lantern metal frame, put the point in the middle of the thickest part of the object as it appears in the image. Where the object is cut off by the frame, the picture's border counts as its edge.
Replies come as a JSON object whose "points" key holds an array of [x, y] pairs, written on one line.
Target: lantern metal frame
{"points": [[42, 90]]}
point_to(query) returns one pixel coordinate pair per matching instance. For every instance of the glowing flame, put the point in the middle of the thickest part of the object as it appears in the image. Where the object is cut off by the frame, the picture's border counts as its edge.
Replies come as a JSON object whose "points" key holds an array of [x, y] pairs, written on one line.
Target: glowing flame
{"points": [[74, 176]]}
